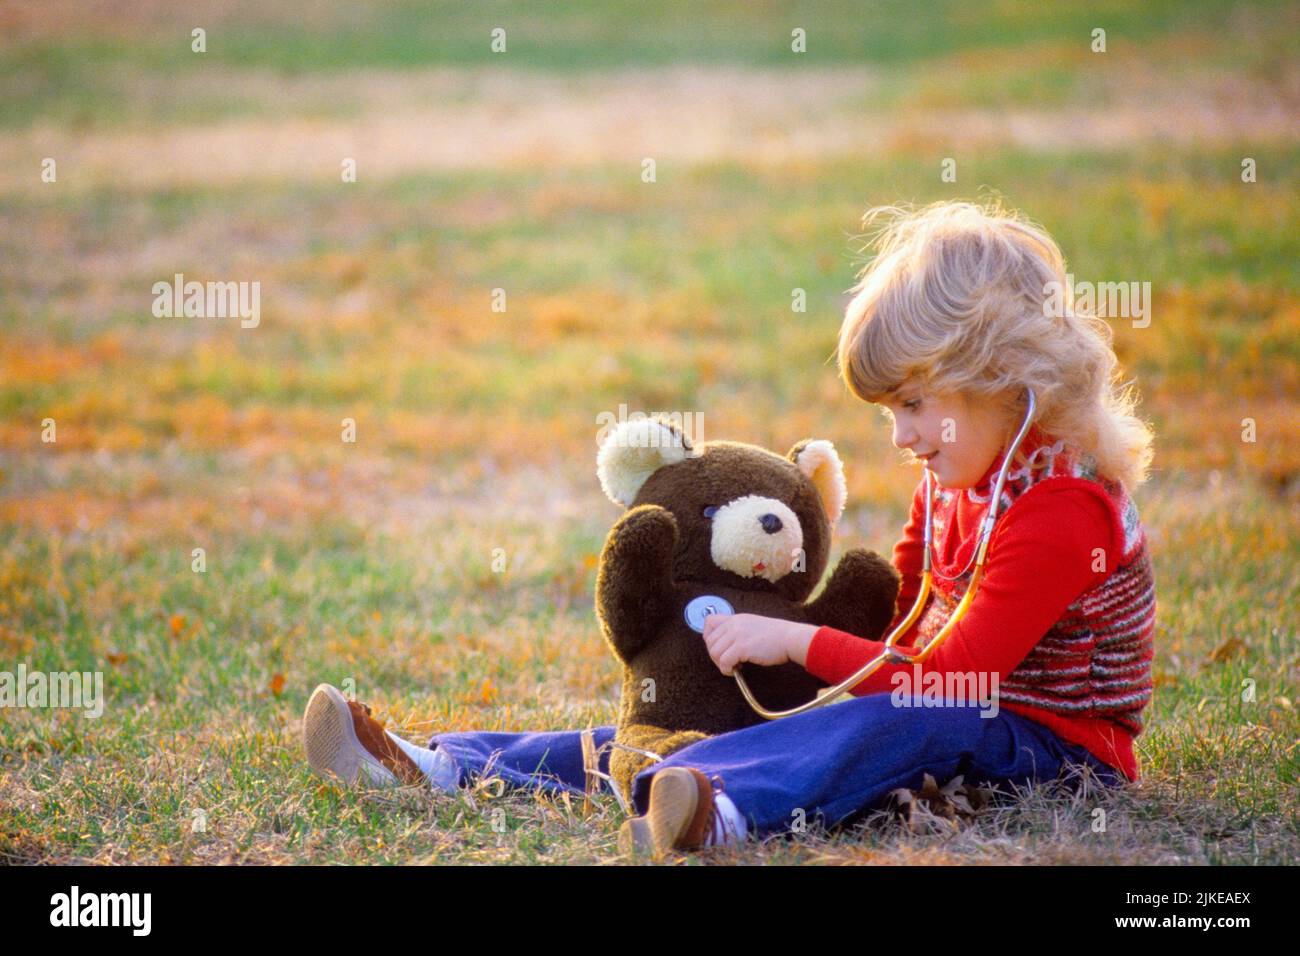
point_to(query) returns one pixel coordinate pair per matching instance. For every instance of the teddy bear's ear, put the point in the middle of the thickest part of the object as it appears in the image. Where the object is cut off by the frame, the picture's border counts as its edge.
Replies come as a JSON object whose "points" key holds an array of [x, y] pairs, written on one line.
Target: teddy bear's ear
{"points": [[635, 450], [817, 458]]}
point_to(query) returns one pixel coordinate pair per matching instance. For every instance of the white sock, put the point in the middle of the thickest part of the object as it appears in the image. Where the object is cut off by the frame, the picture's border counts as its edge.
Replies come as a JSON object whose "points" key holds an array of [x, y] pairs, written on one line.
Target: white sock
{"points": [[733, 822], [434, 764]]}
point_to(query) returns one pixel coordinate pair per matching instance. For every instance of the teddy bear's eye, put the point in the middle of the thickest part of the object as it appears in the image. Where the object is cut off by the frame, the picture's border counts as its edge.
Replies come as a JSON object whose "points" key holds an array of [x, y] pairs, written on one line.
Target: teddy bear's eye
{"points": [[710, 510]]}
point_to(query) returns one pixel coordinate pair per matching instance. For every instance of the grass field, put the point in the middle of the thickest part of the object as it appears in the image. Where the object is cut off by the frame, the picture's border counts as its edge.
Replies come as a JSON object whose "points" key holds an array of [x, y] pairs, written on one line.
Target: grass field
{"points": [[475, 429]]}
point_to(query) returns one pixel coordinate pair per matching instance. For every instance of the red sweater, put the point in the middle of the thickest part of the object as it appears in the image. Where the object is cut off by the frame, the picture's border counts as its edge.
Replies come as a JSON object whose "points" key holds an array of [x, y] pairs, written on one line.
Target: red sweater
{"points": [[1039, 574]]}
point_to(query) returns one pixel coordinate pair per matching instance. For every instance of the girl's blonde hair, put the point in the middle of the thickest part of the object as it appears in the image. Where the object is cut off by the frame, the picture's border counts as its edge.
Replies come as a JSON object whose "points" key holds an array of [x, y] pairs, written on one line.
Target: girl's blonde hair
{"points": [[956, 299]]}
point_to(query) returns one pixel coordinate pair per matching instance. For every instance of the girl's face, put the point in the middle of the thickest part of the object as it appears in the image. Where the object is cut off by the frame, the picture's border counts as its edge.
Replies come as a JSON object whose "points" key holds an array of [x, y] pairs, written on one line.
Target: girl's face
{"points": [[958, 439]]}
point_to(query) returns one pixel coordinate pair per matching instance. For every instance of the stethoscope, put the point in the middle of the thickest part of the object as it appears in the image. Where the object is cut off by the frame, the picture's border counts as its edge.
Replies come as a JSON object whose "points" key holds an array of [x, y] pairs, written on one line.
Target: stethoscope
{"points": [[892, 653]]}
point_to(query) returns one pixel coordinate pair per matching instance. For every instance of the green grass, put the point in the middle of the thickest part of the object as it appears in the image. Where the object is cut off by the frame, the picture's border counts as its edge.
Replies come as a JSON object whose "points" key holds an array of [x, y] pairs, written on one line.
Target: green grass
{"points": [[191, 721], [86, 76], [587, 35], [699, 251]]}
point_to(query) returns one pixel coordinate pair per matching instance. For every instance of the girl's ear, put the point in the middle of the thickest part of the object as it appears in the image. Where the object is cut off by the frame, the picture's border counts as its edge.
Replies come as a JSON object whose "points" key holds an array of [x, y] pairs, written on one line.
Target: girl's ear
{"points": [[817, 458], [634, 451]]}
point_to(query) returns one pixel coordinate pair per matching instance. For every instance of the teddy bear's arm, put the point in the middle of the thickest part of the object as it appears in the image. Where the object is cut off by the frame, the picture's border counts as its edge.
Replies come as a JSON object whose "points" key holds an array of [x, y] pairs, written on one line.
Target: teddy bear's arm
{"points": [[634, 585], [859, 597]]}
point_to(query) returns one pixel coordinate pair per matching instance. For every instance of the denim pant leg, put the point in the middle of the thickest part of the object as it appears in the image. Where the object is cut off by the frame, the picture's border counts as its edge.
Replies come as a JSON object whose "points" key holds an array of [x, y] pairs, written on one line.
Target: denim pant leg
{"points": [[843, 758], [543, 760]]}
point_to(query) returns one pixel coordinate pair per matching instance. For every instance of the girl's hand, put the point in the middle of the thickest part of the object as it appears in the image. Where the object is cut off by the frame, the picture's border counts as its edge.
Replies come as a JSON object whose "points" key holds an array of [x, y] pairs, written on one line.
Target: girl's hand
{"points": [[736, 638]]}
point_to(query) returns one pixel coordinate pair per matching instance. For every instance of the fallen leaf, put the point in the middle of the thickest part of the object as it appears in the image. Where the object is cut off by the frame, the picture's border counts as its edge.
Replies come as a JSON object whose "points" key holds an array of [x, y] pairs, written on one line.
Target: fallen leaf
{"points": [[954, 802], [1232, 647]]}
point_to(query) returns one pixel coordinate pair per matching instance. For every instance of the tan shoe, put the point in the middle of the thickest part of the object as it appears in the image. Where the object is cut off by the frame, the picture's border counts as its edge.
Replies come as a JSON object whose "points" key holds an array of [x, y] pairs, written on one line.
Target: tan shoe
{"points": [[342, 738], [681, 816]]}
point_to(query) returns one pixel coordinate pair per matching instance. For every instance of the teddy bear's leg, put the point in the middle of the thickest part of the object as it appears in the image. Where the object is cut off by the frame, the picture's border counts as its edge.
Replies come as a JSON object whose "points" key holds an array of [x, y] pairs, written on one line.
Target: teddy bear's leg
{"points": [[625, 764]]}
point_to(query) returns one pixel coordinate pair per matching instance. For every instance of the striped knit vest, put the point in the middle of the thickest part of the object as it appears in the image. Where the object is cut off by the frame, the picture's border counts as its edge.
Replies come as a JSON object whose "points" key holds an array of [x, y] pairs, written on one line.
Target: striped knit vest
{"points": [[1095, 661]]}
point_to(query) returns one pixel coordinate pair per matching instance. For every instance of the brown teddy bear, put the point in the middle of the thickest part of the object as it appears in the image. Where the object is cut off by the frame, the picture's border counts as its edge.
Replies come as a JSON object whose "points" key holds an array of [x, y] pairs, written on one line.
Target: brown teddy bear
{"points": [[714, 520]]}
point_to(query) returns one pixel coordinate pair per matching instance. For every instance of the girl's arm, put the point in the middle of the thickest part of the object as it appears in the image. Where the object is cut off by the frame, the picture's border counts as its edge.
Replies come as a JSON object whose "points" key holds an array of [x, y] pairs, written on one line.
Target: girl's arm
{"points": [[1040, 561]]}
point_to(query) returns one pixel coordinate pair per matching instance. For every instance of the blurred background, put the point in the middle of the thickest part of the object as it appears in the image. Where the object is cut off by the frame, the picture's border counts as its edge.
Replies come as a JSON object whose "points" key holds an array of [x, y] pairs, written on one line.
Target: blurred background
{"points": [[476, 429]]}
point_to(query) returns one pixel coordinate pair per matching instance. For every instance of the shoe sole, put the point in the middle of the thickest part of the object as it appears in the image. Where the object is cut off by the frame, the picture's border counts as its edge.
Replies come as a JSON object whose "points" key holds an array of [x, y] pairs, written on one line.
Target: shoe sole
{"points": [[674, 799], [329, 737], [675, 794]]}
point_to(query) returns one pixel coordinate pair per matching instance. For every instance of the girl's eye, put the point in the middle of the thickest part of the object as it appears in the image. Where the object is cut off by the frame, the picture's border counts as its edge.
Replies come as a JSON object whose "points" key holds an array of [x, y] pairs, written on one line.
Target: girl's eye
{"points": [[710, 510], [913, 404]]}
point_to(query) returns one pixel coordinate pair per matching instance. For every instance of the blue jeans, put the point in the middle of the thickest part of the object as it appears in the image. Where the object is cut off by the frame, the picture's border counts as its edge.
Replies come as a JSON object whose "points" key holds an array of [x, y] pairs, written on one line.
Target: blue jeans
{"points": [[832, 762]]}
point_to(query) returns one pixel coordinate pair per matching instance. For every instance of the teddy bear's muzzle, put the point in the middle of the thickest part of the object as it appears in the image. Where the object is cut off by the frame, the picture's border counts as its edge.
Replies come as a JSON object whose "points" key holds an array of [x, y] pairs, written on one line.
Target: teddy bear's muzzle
{"points": [[756, 536]]}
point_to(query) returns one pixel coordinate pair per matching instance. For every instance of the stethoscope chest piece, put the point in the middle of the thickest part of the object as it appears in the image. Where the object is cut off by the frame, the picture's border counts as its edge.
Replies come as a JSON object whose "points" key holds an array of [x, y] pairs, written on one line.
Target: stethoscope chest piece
{"points": [[701, 607]]}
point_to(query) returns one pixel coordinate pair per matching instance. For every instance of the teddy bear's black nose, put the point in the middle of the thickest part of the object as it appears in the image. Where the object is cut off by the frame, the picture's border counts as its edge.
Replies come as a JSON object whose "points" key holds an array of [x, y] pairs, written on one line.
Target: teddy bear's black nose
{"points": [[771, 523]]}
